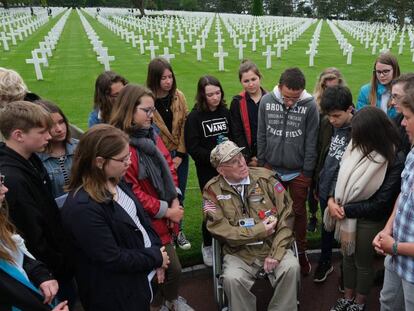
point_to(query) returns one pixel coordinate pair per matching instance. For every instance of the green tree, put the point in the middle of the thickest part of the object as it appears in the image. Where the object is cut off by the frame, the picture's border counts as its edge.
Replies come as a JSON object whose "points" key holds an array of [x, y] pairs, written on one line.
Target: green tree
{"points": [[257, 9]]}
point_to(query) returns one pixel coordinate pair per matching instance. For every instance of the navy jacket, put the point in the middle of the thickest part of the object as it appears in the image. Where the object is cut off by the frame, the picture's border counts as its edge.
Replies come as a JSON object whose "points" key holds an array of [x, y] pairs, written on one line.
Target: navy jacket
{"points": [[111, 261]]}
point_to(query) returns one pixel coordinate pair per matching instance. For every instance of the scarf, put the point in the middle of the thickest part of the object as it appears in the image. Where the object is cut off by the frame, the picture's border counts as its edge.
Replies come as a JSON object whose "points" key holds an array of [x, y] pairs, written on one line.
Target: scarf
{"points": [[359, 177], [152, 164]]}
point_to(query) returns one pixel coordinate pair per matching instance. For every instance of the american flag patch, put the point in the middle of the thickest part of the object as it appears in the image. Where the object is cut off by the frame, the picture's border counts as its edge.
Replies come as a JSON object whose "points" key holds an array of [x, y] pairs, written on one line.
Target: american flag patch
{"points": [[209, 206], [279, 187]]}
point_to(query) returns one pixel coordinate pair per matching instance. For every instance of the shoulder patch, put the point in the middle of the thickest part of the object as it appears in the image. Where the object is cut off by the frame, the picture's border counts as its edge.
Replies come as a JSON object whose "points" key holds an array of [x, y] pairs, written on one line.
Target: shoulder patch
{"points": [[279, 187]]}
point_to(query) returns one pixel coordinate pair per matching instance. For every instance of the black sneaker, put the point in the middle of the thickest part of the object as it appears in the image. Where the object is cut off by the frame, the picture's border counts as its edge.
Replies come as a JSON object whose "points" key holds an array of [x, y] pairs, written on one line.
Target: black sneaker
{"points": [[342, 304], [312, 224], [322, 271]]}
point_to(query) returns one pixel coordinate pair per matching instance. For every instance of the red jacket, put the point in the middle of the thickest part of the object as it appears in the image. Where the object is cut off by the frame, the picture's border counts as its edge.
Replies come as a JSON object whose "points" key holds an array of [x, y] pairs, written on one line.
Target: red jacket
{"points": [[147, 195]]}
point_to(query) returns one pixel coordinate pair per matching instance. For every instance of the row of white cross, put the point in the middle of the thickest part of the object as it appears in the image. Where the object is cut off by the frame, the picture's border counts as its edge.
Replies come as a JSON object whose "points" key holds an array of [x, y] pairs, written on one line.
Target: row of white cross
{"points": [[347, 48], [101, 51], [14, 30], [46, 46]]}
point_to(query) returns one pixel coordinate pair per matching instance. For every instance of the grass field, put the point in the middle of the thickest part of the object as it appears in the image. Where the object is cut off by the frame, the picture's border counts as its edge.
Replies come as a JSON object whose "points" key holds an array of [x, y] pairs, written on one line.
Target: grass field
{"points": [[69, 80]]}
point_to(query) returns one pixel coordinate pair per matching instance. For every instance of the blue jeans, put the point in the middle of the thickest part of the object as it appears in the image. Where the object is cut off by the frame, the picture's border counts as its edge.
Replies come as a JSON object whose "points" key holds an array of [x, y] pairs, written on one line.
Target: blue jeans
{"points": [[326, 237], [182, 174]]}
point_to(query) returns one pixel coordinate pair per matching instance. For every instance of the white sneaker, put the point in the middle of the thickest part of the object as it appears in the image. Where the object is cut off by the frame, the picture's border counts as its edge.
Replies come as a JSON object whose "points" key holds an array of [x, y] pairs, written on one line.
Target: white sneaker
{"points": [[179, 304], [207, 255]]}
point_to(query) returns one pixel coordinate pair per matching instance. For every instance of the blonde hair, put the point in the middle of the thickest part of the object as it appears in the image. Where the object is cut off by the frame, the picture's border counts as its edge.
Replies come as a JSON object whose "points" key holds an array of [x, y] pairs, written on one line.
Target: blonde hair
{"points": [[330, 73], [12, 86], [24, 116]]}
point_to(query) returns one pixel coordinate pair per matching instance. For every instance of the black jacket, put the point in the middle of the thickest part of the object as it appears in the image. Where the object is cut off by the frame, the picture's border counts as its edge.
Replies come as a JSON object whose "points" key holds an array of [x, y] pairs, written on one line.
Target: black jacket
{"points": [[380, 205], [112, 262], [238, 130], [33, 209], [202, 129], [14, 293]]}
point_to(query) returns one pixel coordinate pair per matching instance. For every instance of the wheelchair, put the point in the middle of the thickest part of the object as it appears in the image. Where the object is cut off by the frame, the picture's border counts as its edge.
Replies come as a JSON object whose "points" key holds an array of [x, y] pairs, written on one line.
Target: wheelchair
{"points": [[219, 294]]}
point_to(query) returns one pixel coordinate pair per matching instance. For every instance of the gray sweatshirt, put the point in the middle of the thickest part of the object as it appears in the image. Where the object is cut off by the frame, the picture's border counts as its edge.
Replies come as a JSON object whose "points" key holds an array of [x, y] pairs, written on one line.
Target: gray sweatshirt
{"points": [[287, 137]]}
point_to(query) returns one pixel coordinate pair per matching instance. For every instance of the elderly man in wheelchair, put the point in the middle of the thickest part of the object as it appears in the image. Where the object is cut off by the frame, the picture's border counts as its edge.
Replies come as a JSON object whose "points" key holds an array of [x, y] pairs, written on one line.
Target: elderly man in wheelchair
{"points": [[249, 212]]}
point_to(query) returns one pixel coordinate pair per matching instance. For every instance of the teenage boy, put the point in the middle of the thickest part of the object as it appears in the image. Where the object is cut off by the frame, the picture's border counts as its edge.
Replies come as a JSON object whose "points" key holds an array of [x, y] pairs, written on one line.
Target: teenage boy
{"points": [[32, 208], [286, 143], [334, 136], [396, 240]]}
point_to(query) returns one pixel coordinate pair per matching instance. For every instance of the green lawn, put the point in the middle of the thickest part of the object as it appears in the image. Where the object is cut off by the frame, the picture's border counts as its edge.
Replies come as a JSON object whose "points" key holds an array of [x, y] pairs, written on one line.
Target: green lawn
{"points": [[69, 80]]}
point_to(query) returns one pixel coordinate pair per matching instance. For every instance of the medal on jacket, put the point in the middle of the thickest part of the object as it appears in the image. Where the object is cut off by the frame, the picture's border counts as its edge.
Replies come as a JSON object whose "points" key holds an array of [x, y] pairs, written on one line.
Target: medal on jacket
{"points": [[256, 195]]}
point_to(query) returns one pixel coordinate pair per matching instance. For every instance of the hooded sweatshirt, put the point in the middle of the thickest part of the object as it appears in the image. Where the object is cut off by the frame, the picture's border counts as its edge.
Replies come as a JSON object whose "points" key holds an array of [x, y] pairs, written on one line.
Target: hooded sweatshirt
{"points": [[287, 137], [33, 209]]}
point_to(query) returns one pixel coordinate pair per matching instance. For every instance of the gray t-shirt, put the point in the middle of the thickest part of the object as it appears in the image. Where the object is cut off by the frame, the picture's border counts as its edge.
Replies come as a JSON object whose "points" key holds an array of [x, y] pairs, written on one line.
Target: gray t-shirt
{"points": [[328, 175]]}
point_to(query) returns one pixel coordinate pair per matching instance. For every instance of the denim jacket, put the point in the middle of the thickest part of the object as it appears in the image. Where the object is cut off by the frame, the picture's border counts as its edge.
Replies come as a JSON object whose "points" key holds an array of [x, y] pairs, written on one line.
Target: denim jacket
{"points": [[52, 166]]}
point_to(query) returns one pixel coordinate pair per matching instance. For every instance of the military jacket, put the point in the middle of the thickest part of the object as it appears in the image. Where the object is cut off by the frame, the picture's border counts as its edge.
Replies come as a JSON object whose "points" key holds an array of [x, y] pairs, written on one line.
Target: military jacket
{"points": [[226, 211]]}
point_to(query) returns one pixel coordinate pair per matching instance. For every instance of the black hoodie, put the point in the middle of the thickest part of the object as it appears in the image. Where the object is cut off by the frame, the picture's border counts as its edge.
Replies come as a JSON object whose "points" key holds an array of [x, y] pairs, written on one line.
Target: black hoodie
{"points": [[33, 210], [202, 129]]}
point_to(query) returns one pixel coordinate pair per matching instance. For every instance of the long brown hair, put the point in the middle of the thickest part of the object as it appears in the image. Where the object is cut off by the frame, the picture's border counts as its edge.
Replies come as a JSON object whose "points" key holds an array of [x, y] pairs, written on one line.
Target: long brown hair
{"points": [[372, 130], [101, 98], [386, 59], [155, 70], [6, 231], [128, 99], [102, 140], [52, 108], [201, 98]]}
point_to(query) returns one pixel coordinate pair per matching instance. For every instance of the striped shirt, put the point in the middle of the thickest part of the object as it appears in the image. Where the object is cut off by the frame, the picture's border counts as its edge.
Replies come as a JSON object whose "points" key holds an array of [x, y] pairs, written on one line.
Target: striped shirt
{"points": [[129, 207], [403, 226]]}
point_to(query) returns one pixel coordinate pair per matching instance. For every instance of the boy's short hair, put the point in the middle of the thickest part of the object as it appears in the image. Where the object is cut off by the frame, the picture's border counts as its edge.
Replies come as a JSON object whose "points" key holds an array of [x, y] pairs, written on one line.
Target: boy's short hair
{"points": [[336, 98], [22, 115], [293, 78]]}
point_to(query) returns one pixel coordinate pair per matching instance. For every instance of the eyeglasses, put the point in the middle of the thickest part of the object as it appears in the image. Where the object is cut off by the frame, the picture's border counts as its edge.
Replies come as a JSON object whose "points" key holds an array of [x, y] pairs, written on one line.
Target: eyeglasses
{"points": [[124, 160], [236, 161], [294, 100], [148, 111], [2, 177], [383, 72]]}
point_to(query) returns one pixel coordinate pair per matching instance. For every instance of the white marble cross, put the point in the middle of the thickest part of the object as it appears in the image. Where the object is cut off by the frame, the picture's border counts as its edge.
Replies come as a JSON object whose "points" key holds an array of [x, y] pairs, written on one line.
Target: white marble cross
{"points": [[374, 47], [269, 53], [182, 42], [141, 42], [401, 45], [198, 46], [104, 58], [221, 54], [13, 35], [152, 49], [253, 40], [311, 52], [36, 61], [43, 52], [167, 56], [4, 38], [44, 47], [169, 36], [350, 50], [240, 46], [278, 45]]}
